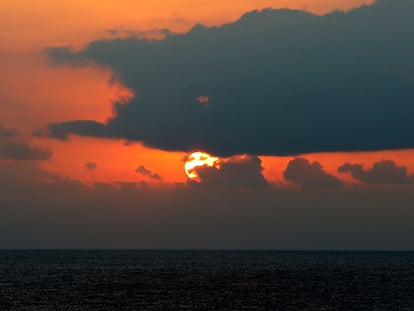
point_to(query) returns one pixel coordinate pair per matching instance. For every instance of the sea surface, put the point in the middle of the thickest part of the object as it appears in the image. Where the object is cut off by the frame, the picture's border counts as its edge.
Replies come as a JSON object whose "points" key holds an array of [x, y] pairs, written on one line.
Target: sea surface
{"points": [[205, 280]]}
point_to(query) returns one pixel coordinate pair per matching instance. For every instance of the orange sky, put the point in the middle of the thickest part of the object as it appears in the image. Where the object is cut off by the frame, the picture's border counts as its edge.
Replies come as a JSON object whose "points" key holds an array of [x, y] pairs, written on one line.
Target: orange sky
{"points": [[35, 24], [32, 93]]}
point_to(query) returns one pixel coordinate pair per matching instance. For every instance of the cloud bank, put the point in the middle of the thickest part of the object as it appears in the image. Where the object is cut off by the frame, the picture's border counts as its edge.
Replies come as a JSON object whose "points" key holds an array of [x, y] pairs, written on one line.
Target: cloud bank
{"points": [[384, 172], [278, 82], [236, 172], [309, 175]]}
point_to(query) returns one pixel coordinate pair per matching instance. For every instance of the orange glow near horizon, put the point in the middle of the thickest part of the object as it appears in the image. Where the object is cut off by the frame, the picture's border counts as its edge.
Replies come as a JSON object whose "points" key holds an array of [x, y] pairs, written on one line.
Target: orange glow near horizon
{"points": [[274, 166], [115, 160]]}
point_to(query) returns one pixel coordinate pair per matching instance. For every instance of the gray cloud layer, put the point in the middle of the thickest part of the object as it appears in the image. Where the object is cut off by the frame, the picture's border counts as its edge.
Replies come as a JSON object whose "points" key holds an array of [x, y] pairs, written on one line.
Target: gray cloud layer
{"points": [[279, 82], [385, 172], [309, 175], [13, 148]]}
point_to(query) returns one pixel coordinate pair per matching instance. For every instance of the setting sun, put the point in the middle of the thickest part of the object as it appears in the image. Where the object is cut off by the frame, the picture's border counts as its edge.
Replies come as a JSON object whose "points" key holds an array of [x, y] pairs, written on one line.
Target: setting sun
{"points": [[197, 159]]}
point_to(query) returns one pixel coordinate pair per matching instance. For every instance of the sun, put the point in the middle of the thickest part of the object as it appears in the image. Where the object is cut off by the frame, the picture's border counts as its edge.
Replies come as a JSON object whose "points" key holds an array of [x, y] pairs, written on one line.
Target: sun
{"points": [[197, 159]]}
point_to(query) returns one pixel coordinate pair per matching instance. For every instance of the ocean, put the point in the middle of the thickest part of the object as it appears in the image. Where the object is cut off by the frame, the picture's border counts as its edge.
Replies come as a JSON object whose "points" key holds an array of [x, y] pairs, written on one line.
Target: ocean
{"points": [[205, 280]]}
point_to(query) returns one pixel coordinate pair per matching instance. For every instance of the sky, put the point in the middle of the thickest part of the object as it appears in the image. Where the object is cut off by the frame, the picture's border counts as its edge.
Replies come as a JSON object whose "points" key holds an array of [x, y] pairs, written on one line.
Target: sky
{"points": [[305, 108]]}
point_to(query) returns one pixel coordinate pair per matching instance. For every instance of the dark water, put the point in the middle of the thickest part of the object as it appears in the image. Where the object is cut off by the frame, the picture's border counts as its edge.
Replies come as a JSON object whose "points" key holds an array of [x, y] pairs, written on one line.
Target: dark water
{"points": [[205, 280]]}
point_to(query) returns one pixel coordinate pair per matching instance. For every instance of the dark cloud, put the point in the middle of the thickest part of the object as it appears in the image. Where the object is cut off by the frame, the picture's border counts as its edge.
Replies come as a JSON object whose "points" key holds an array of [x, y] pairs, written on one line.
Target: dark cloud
{"points": [[147, 173], [384, 172], [91, 166], [62, 130], [236, 172], [309, 175], [278, 81], [13, 148]]}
